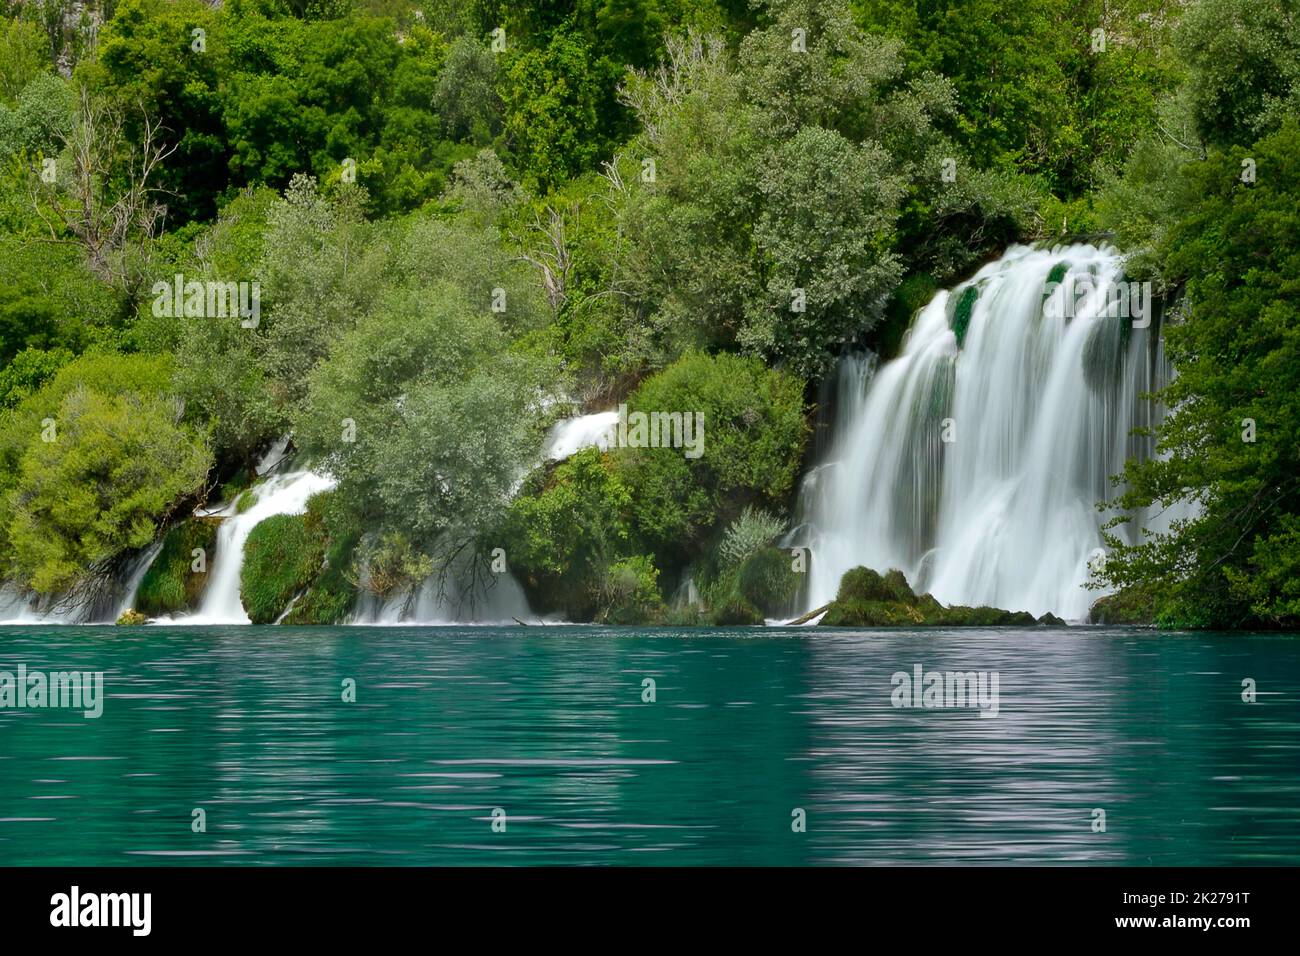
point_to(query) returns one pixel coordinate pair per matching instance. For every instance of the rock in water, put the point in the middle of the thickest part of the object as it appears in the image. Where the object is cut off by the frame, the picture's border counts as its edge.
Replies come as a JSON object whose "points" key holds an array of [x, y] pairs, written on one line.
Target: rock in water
{"points": [[865, 599]]}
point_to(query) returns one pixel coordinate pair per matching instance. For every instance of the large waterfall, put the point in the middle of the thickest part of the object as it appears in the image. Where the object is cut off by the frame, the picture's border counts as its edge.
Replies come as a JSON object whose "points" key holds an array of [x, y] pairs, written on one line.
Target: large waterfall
{"points": [[975, 466]]}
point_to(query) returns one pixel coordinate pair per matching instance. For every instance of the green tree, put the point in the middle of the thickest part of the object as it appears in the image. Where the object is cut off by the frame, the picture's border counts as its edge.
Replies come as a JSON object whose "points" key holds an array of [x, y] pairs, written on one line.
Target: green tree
{"points": [[560, 108], [1244, 66], [562, 538], [1230, 441], [24, 53], [166, 60], [99, 457], [753, 438]]}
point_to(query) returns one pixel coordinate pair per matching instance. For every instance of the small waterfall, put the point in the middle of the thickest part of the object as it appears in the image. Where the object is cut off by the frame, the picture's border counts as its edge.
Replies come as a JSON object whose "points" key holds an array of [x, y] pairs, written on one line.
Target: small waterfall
{"points": [[278, 495], [21, 607], [975, 460], [460, 596], [569, 436], [135, 574]]}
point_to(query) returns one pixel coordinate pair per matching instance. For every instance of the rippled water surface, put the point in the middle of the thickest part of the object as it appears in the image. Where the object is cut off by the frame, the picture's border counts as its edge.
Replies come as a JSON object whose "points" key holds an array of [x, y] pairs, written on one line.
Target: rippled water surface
{"points": [[748, 725]]}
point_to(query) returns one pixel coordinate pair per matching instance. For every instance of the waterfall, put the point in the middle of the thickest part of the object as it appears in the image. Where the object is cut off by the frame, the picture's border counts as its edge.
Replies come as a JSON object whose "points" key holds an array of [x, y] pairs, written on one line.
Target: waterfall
{"points": [[458, 597], [461, 597], [570, 435], [20, 607], [285, 494], [974, 461], [135, 575]]}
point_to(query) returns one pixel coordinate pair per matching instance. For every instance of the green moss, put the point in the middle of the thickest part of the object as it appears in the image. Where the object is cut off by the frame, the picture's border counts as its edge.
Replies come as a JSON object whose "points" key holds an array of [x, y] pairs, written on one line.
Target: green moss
{"points": [[246, 500], [1057, 275], [962, 314], [330, 598], [331, 595], [281, 558], [132, 619], [865, 599], [864, 584], [171, 584], [736, 611], [983, 616], [229, 490], [1129, 606], [1104, 353], [858, 613]]}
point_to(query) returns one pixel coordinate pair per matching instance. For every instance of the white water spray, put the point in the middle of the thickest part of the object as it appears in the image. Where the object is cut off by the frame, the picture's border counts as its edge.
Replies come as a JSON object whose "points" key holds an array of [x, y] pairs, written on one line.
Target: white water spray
{"points": [[278, 495], [569, 436]]}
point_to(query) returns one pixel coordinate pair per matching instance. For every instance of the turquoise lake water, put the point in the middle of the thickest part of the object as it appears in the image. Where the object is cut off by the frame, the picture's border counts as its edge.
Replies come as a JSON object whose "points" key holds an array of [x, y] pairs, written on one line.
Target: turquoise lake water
{"points": [[748, 727]]}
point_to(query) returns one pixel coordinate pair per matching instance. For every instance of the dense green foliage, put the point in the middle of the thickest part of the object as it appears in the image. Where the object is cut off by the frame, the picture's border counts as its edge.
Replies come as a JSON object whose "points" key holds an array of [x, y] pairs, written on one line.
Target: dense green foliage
{"points": [[563, 538], [1208, 207], [280, 559], [462, 220], [753, 433], [89, 464], [1233, 444], [176, 578]]}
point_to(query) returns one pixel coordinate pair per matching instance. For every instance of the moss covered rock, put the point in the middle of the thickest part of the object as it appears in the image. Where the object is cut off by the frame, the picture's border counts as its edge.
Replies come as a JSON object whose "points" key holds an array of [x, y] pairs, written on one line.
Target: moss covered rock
{"points": [[868, 599], [1057, 275], [281, 558], [172, 583], [132, 619], [962, 314], [332, 594], [735, 611], [1130, 606]]}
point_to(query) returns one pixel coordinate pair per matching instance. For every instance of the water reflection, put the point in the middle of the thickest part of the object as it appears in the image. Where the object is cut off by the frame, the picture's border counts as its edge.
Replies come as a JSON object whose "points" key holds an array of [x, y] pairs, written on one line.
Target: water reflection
{"points": [[747, 727]]}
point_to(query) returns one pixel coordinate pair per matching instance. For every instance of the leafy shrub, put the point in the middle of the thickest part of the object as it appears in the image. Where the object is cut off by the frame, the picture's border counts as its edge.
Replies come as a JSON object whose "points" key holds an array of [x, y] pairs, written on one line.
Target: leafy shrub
{"points": [[331, 595], [391, 562], [752, 531], [561, 539], [121, 460], [630, 593], [754, 433], [767, 580]]}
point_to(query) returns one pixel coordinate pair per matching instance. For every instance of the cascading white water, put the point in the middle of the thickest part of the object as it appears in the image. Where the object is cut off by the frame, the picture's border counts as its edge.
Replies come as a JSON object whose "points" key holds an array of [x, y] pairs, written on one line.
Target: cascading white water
{"points": [[492, 598], [569, 436], [976, 469], [278, 495], [20, 607], [498, 599], [134, 577], [455, 599]]}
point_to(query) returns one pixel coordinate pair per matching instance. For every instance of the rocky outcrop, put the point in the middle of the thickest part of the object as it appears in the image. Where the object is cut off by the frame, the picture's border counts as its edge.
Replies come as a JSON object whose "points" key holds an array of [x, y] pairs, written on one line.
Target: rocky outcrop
{"points": [[1130, 606], [866, 599]]}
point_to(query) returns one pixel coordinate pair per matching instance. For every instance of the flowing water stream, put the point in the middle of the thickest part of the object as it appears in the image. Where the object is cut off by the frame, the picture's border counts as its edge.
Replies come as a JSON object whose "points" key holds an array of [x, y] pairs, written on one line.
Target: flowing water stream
{"points": [[976, 466]]}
